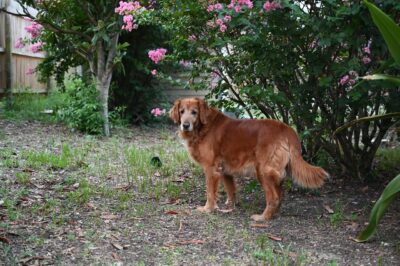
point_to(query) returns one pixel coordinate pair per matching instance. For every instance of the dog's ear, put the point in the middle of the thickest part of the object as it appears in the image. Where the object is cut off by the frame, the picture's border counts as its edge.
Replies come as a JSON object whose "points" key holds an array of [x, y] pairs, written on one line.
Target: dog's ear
{"points": [[174, 112], [204, 111]]}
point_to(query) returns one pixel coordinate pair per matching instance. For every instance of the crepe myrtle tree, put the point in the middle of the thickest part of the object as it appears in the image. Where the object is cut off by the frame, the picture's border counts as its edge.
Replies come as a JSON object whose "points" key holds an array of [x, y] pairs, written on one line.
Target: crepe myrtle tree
{"points": [[296, 61], [76, 31]]}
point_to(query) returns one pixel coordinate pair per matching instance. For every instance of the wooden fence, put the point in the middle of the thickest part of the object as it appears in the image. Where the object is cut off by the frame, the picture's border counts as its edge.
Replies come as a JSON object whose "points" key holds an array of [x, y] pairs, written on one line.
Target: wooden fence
{"points": [[16, 63]]}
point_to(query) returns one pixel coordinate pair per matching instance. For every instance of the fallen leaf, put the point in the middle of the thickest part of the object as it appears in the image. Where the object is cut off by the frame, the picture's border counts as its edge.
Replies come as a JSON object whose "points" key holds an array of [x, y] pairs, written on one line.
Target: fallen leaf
{"points": [[157, 174], [171, 212], [174, 201], [90, 205], [5, 240], [328, 209], [28, 170], [193, 241], [364, 189], [115, 256], [276, 238], [117, 246], [259, 225], [180, 226], [225, 210], [123, 187], [109, 216], [68, 251], [185, 242], [28, 259]]}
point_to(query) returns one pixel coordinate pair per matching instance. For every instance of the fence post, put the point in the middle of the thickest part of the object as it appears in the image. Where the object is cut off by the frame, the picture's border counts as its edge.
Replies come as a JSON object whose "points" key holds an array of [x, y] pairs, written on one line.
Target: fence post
{"points": [[8, 57]]}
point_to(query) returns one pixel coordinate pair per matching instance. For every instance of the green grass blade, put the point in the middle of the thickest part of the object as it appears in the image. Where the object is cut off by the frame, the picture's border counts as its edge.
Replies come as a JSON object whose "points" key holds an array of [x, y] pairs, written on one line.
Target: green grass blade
{"points": [[388, 28], [388, 195]]}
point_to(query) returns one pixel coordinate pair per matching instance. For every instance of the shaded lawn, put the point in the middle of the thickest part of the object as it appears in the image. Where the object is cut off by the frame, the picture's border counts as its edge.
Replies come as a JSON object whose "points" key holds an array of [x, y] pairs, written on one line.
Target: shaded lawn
{"points": [[74, 199]]}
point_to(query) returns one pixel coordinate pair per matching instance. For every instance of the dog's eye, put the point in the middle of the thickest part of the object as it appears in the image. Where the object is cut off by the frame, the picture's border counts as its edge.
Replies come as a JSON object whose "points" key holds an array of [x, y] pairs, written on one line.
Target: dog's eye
{"points": [[182, 111], [194, 112]]}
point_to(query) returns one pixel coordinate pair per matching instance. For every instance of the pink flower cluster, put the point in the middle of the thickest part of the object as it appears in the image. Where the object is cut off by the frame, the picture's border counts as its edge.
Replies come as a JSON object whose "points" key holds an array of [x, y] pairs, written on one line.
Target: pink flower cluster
{"points": [[237, 5], [34, 29], [216, 7], [19, 43], [157, 55], [271, 6], [37, 47], [349, 79], [367, 53], [128, 10], [157, 112], [220, 23], [30, 71]]}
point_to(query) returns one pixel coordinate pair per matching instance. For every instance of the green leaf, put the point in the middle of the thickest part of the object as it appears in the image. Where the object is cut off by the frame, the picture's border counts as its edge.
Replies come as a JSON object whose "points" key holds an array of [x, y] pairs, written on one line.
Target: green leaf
{"points": [[388, 195], [384, 77], [388, 28]]}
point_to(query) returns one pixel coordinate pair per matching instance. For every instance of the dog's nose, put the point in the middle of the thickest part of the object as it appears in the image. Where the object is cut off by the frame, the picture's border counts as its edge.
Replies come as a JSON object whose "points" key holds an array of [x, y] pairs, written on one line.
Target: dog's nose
{"points": [[186, 125]]}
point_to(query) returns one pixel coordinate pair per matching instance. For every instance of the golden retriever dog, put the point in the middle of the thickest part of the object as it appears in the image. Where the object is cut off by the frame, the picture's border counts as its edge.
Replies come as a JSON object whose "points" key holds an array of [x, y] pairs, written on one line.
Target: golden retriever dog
{"points": [[226, 148]]}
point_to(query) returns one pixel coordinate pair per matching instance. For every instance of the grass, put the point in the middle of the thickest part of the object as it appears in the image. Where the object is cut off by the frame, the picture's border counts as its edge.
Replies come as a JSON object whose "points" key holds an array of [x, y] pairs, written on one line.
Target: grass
{"points": [[28, 107]]}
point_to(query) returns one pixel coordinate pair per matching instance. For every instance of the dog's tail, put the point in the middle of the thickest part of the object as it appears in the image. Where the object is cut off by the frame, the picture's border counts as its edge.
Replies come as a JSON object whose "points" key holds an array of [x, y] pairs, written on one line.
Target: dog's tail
{"points": [[303, 173]]}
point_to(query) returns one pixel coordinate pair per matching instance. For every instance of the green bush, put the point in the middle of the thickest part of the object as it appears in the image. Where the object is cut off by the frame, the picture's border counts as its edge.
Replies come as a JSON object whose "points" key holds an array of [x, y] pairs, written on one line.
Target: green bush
{"points": [[82, 109]]}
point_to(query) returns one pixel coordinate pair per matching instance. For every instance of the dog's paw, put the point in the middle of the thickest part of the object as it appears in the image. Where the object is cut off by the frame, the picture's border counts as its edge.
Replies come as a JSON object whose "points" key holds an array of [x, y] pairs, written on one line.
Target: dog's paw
{"points": [[230, 204], [258, 217], [204, 209]]}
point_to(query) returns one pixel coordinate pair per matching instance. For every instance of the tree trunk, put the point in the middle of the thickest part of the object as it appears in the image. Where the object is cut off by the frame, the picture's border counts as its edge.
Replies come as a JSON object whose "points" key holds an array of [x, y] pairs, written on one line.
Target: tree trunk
{"points": [[102, 75]]}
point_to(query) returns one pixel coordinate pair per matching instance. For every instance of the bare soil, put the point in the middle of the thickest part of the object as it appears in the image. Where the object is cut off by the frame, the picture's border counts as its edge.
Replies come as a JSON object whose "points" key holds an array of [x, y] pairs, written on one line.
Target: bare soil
{"points": [[43, 227]]}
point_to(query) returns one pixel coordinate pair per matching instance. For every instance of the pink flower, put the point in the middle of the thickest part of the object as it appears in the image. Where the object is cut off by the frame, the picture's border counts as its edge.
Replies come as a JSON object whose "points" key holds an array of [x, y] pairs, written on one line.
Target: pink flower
{"points": [[352, 82], [157, 112], [37, 47], [218, 6], [127, 7], [237, 8], [227, 18], [192, 38], [30, 71], [222, 28], [270, 6], [367, 50], [366, 60], [344, 80], [19, 43], [184, 63], [210, 8], [34, 29], [157, 55], [154, 72], [219, 22]]}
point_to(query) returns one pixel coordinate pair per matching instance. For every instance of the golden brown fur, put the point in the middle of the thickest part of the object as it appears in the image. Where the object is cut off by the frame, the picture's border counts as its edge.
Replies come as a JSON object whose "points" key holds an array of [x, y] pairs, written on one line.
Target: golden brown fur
{"points": [[225, 148]]}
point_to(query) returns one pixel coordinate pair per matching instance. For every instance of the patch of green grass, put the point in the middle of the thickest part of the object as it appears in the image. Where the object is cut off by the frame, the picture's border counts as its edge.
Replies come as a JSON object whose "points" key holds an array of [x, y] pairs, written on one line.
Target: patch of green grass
{"points": [[29, 106], [22, 178], [83, 193], [37, 159], [338, 216]]}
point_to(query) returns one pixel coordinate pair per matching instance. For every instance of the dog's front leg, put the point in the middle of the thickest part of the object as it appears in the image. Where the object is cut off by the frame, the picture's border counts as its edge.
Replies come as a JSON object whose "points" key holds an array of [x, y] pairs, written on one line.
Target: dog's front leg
{"points": [[212, 182]]}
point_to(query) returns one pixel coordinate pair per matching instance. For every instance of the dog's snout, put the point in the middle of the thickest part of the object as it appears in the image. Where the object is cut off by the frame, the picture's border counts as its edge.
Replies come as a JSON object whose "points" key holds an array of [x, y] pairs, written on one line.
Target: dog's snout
{"points": [[186, 125]]}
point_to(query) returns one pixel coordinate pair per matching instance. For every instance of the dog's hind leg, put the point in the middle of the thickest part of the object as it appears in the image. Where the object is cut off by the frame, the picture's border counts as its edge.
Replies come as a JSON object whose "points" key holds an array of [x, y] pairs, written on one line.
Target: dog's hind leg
{"points": [[230, 189], [270, 182]]}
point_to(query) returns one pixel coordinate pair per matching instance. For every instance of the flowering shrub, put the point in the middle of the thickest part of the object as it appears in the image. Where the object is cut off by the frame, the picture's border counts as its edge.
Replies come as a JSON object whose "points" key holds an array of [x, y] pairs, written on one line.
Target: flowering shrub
{"points": [[296, 61], [157, 112], [157, 55]]}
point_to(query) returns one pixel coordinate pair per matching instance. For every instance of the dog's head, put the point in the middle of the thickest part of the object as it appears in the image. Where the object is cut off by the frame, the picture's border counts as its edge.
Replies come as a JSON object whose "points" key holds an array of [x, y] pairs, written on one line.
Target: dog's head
{"points": [[189, 113]]}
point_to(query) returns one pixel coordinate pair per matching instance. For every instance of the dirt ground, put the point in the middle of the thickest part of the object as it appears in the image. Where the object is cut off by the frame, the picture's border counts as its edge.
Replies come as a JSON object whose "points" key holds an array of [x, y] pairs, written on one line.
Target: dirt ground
{"points": [[42, 223]]}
